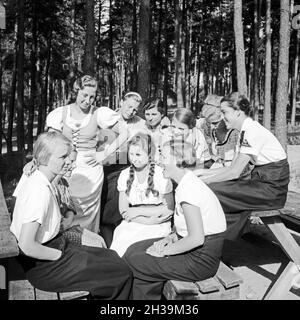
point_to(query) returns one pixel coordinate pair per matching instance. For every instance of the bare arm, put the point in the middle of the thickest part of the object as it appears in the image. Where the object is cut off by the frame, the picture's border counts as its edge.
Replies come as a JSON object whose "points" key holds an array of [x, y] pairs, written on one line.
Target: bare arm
{"points": [[225, 173], [195, 237], [34, 249], [152, 214]]}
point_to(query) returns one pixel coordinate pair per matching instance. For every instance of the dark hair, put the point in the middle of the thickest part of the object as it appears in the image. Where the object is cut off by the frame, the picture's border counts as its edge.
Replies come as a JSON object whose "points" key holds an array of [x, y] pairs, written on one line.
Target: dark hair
{"points": [[185, 116], [154, 103], [238, 102], [146, 143], [184, 153]]}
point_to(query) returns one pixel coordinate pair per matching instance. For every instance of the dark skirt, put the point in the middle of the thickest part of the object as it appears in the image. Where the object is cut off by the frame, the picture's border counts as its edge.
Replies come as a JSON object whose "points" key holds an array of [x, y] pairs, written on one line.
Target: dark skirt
{"points": [[110, 214], [150, 273], [96, 270], [265, 190]]}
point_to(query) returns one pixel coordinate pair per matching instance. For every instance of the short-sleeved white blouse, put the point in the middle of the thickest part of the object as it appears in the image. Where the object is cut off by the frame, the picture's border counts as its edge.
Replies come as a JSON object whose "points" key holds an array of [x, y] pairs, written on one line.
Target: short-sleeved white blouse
{"points": [[106, 118], [137, 195]]}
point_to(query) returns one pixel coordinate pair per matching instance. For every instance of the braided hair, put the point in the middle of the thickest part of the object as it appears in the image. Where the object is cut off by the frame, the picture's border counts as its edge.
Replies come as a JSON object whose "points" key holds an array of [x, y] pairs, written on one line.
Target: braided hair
{"points": [[145, 142]]}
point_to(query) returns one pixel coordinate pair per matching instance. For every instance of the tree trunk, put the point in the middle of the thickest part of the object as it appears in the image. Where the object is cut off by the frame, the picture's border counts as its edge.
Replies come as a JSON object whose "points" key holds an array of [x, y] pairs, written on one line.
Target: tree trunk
{"points": [[283, 72], [134, 49], [1, 98], [33, 77], [187, 51], [111, 59], [166, 65], [20, 72], [43, 109], [268, 69], [295, 79], [158, 51], [89, 52], [255, 60], [99, 40], [239, 47], [144, 46], [71, 77], [179, 53]]}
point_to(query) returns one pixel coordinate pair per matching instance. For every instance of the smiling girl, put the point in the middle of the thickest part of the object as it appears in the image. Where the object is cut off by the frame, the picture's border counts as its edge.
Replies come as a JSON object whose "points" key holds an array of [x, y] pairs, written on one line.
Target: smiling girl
{"points": [[80, 122], [145, 197], [267, 186], [183, 127]]}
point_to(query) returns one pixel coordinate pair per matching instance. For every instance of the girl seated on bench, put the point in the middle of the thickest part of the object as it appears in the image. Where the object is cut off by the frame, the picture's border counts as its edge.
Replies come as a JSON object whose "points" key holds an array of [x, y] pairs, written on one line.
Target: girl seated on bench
{"points": [[193, 252], [53, 263], [146, 200]]}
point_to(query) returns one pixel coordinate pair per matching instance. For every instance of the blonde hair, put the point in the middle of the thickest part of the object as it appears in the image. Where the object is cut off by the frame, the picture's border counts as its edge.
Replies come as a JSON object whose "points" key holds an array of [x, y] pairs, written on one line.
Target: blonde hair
{"points": [[183, 152], [45, 145], [132, 94]]}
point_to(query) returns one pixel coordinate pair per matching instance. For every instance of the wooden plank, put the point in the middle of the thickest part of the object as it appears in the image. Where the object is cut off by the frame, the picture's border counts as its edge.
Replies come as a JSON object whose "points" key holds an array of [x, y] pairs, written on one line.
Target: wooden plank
{"points": [[20, 290], [228, 277], [285, 239], [223, 294], [184, 287], [2, 278], [268, 213], [8, 243], [72, 295], [45, 295], [208, 285], [283, 283]]}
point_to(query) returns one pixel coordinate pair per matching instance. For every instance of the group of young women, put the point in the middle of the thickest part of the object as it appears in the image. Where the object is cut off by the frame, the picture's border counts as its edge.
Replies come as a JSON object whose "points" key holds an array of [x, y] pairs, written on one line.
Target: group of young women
{"points": [[164, 211]]}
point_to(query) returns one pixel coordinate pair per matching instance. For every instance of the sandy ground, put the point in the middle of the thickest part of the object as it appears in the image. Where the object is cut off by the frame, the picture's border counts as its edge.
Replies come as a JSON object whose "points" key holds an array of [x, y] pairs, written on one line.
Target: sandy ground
{"points": [[259, 261]]}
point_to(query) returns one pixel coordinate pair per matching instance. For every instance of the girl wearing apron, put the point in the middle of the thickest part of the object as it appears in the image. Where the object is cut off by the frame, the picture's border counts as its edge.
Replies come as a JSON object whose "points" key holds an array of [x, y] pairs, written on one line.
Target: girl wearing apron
{"points": [[267, 186], [80, 122]]}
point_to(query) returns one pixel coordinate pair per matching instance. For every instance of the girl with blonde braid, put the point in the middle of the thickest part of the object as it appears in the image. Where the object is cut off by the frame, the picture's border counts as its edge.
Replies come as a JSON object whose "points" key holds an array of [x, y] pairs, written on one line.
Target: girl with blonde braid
{"points": [[146, 200]]}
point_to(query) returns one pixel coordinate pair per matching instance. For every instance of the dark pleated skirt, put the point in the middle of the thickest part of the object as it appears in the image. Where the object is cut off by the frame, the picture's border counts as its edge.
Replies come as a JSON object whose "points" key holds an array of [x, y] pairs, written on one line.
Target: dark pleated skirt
{"points": [[96, 270], [265, 190]]}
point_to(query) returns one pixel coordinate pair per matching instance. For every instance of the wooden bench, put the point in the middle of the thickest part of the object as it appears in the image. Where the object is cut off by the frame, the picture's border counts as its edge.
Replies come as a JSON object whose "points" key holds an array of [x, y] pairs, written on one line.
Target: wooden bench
{"points": [[8, 243], [225, 285], [23, 290], [274, 220]]}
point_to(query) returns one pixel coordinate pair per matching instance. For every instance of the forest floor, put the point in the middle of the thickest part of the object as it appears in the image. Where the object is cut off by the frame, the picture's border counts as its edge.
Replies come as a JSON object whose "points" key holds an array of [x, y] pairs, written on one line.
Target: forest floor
{"points": [[255, 256]]}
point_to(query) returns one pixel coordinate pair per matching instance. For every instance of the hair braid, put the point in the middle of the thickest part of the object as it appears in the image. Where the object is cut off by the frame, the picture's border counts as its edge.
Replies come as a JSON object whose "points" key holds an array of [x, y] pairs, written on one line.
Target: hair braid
{"points": [[150, 181], [130, 180]]}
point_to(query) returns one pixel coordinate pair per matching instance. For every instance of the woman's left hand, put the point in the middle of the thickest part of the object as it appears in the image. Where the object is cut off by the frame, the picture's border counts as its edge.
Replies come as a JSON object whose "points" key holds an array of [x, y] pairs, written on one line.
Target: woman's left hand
{"points": [[153, 251], [94, 158]]}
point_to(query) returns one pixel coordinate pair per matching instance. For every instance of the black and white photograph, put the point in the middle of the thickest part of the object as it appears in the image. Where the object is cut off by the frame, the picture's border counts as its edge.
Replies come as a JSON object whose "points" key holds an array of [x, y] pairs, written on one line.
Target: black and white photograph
{"points": [[149, 154]]}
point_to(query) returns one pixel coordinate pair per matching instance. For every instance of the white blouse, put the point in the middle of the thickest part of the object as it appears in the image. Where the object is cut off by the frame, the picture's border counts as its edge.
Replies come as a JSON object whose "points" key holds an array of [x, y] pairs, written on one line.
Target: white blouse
{"points": [[106, 118], [137, 195]]}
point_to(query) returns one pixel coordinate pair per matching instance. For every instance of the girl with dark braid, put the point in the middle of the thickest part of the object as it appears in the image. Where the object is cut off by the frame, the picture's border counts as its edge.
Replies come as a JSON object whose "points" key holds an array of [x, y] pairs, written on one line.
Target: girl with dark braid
{"points": [[146, 200]]}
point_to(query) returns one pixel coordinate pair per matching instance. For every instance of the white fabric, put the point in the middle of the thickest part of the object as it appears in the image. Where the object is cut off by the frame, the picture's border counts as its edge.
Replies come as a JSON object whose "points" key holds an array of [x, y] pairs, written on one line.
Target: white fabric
{"points": [[128, 233], [86, 181], [137, 193], [195, 138], [106, 118], [260, 143], [194, 191], [36, 202]]}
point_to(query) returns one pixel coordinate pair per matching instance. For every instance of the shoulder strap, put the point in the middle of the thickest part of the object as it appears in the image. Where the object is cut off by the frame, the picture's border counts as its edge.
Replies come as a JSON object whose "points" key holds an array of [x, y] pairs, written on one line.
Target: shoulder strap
{"points": [[64, 114]]}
